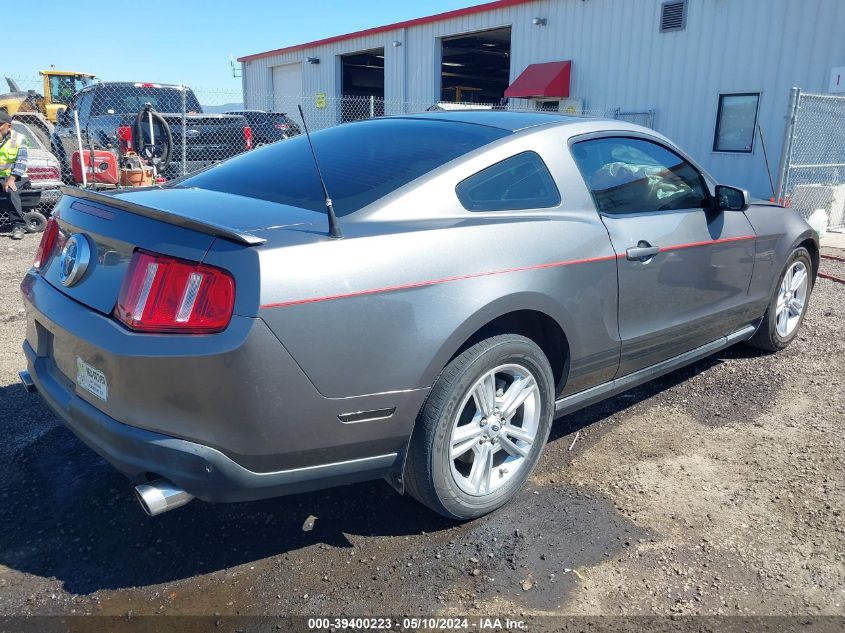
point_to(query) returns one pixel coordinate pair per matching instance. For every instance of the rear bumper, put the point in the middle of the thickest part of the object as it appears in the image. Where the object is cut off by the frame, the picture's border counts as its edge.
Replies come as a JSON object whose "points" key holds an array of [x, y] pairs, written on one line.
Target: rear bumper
{"points": [[227, 417], [50, 196], [204, 472]]}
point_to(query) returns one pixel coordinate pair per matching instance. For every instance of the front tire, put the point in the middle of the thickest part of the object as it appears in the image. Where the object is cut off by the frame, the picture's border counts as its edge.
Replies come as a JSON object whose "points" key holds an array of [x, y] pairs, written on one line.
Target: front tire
{"points": [[482, 428], [788, 306]]}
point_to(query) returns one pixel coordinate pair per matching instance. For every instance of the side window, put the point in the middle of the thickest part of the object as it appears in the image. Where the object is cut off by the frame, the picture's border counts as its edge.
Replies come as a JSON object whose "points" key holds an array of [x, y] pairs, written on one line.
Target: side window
{"points": [[62, 89], [631, 175], [519, 182]]}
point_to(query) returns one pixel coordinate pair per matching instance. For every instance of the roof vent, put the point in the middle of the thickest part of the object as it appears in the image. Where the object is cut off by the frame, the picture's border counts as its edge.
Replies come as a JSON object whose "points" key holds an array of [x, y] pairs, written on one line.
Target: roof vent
{"points": [[673, 16]]}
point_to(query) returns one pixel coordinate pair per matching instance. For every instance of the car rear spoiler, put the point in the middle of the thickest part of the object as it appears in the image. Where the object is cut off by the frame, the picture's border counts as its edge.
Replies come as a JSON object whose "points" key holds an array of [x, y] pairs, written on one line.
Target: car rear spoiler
{"points": [[209, 228]]}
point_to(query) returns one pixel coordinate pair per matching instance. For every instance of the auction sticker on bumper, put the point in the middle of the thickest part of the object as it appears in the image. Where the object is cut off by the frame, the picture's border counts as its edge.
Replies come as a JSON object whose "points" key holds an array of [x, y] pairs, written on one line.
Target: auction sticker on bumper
{"points": [[92, 380]]}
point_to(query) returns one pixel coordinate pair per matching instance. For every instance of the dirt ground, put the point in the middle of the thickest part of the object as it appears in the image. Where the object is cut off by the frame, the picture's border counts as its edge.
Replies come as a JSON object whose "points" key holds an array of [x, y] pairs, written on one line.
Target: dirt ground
{"points": [[717, 489]]}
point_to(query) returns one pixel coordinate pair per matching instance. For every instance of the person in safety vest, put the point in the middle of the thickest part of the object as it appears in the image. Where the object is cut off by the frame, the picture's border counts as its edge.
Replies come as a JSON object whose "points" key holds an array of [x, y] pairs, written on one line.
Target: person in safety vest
{"points": [[13, 157]]}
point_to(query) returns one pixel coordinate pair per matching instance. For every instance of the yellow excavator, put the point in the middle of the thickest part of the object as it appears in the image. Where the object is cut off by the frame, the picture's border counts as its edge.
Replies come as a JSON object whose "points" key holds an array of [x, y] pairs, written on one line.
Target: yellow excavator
{"points": [[41, 110]]}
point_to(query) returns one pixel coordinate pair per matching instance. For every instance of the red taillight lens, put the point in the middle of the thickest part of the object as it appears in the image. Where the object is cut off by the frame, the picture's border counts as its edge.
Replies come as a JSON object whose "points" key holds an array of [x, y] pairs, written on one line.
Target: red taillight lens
{"points": [[165, 294], [124, 138], [43, 173], [247, 137], [48, 241]]}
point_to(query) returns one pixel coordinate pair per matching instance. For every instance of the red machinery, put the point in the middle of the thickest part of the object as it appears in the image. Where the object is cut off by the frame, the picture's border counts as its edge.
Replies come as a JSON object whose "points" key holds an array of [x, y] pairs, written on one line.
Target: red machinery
{"points": [[100, 167]]}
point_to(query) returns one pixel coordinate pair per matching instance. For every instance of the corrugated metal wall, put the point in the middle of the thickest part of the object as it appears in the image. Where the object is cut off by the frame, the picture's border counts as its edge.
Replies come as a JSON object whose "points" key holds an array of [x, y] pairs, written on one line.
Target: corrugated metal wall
{"points": [[620, 59]]}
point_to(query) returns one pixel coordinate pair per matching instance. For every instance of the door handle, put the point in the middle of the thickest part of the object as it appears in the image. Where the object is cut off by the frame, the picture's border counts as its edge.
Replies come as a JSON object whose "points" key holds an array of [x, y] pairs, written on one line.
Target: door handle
{"points": [[642, 251]]}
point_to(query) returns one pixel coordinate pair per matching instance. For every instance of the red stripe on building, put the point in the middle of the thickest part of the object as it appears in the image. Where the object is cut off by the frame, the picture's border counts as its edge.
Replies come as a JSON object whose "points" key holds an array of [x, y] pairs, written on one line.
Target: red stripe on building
{"points": [[439, 17]]}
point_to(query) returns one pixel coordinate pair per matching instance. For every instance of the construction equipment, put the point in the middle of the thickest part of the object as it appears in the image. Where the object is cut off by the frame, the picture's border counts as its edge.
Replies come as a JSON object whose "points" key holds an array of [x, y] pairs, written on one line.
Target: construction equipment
{"points": [[40, 110]]}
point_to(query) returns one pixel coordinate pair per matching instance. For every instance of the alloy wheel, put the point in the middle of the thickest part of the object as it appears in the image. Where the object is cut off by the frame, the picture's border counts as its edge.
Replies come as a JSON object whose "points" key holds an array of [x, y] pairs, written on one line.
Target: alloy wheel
{"points": [[494, 430], [792, 299]]}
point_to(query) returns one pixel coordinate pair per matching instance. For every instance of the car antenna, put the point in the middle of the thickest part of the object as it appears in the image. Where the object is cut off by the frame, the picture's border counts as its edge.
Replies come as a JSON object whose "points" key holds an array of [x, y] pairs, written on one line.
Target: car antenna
{"points": [[334, 230]]}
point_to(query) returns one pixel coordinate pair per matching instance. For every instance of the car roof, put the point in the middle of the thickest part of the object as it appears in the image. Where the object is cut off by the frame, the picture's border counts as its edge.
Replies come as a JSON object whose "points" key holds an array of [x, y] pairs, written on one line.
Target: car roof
{"points": [[512, 121], [134, 84]]}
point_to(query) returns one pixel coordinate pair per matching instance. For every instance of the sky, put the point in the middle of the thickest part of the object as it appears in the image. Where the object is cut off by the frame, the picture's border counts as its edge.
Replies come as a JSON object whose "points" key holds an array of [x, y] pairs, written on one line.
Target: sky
{"points": [[184, 42]]}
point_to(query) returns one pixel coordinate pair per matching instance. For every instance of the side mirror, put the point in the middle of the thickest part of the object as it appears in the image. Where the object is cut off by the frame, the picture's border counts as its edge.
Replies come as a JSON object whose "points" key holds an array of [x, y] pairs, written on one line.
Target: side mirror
{"points": [[731, 198]]}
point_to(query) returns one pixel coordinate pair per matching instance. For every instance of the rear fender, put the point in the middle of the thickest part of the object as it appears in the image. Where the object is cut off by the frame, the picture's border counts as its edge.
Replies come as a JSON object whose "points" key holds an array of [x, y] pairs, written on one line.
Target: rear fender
{"points": [[521, 301]]}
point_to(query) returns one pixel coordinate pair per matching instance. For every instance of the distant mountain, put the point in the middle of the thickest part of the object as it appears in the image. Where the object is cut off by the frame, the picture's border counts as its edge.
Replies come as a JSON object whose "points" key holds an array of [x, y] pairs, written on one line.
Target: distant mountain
{"points": [[217, 109]]}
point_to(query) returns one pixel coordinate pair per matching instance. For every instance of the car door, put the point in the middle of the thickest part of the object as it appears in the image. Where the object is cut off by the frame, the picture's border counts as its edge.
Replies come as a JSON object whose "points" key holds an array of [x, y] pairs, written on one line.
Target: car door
{"points": [[684, 269]]}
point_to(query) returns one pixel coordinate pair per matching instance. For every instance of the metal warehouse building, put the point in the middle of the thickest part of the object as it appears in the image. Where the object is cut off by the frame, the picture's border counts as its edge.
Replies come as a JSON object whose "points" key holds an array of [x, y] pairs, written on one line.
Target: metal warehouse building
{"points": [[710, 74]]}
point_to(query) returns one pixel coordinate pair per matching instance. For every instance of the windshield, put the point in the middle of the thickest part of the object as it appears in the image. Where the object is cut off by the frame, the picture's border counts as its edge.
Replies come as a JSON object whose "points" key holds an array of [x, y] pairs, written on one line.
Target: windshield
{"points": [[361, 162], [126, 98]]}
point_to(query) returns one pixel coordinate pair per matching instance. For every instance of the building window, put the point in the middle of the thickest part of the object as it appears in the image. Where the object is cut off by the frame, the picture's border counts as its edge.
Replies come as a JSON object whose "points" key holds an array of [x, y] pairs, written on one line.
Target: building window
{"points": [[673, 16], [736, 121]]}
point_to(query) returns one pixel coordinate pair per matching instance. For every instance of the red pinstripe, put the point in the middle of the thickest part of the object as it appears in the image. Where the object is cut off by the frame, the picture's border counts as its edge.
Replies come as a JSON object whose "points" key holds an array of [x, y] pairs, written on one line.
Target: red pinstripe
{"points": [[518, 269], [724, 240]]}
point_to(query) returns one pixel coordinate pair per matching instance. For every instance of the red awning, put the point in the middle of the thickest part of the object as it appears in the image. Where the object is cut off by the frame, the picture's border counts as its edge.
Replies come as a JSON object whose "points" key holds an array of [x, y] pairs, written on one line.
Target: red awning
{"points": [[542, 80]]}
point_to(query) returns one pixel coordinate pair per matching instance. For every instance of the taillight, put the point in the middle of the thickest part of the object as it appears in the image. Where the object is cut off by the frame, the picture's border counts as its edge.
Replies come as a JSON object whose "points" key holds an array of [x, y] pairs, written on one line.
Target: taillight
{"points": [[43, 173], [280, 126], [124, 138], [48, 241], [165, 294], [247, 137]]}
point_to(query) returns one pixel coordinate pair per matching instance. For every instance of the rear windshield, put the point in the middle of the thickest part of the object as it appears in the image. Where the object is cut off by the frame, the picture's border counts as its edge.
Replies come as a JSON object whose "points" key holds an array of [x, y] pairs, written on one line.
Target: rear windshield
{"points": [[20, 128], [361, 162], [123, 99]]}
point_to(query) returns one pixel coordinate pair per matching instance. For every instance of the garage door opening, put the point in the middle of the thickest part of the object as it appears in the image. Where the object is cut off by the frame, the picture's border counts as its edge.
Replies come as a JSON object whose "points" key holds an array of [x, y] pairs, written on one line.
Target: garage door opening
{"points": [[362, 84], [476, 68]]}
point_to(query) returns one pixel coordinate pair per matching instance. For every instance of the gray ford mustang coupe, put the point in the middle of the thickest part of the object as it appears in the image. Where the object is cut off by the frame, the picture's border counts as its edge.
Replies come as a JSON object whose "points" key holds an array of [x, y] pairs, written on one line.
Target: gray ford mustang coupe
{"points": [[489, 271]]}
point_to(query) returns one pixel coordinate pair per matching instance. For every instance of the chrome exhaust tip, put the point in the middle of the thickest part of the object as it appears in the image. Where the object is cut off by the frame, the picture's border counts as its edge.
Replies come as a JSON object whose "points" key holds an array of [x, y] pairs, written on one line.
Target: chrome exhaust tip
{"points": [[160, 496], [26, 381]]}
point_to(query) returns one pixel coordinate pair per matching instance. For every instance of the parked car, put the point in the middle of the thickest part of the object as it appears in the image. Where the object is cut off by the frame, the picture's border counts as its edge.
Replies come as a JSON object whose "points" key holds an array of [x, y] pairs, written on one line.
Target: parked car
{"points": [[495, 270], [43, 168], [108, 119], [268, 127]]}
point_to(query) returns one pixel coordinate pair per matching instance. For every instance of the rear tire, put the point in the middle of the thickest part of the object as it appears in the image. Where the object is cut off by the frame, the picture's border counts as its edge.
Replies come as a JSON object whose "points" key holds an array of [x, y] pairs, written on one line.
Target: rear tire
{"points": [[482, 428], [784, 315]]}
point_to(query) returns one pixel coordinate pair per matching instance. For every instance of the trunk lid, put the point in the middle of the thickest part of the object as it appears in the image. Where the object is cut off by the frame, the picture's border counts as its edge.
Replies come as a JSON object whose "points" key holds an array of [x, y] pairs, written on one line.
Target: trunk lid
{"points": [[182, 223]]}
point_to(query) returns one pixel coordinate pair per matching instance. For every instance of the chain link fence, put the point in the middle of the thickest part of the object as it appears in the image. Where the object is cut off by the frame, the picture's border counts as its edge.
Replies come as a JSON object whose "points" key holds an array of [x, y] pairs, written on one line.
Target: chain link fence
{"points": [[110, 135], [812, 166], [646, 118]]}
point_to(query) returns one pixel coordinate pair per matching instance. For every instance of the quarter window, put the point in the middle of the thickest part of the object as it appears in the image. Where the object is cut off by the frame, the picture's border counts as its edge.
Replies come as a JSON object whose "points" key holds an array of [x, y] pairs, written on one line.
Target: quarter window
{"points": [[519, 182], [630, 175], [736, 120]]}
